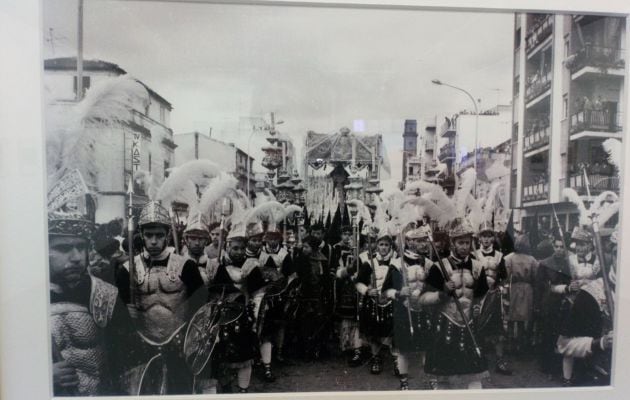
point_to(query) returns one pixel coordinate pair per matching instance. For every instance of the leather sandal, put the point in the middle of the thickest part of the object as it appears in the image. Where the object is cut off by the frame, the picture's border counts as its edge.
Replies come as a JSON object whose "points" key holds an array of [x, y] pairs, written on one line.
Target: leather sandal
{"points": [[377, 366]]}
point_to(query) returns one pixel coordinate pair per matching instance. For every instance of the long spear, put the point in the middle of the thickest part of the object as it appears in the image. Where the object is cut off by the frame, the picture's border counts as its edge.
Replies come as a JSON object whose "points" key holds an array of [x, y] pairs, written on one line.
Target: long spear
{"points": [[555, 216], [132, 266], [600, 252], [455, 299], [403, 272], [225, 210]]}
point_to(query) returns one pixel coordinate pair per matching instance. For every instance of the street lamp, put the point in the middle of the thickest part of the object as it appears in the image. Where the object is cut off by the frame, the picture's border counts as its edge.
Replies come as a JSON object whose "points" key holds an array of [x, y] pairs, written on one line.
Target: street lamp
{"points": [[272, 130], [438, 82]]}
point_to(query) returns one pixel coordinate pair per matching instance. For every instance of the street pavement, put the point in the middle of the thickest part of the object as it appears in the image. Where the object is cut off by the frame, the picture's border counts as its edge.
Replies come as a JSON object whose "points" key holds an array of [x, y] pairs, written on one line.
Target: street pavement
{"points": [[331, 374]]}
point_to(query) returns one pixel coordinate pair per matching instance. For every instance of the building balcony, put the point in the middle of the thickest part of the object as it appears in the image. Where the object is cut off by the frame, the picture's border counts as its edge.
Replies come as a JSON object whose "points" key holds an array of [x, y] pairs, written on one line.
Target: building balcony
{"points": [[447, 152], [596, 60], [537, 86], [539, 31], [536, 192], [597, 183], [429, 145], [448, 128], [595, 123], [537, 139]]}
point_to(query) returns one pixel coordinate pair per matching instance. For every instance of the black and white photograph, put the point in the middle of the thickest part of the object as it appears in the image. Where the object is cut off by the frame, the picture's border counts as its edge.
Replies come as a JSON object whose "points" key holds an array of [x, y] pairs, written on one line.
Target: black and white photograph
{"points": [[276, 198]]}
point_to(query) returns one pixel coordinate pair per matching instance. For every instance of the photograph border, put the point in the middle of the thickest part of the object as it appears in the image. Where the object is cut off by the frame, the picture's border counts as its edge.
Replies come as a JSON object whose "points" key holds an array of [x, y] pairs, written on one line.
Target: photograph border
{"points": [[25, 357]]}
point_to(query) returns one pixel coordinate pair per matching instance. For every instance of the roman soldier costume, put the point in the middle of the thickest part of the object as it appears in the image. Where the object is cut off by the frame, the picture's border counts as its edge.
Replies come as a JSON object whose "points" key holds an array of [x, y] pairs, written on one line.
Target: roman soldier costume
{"points": [[166, 293], [453, 355]]}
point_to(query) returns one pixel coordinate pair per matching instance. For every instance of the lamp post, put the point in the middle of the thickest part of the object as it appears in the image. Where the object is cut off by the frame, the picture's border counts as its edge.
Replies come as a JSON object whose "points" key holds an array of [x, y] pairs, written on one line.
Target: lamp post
{"points": [[271, 128], [438, 82]]}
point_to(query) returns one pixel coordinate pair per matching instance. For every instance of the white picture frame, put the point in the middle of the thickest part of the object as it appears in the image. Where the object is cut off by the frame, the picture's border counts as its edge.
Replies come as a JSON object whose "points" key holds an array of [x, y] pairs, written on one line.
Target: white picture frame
{"points": [[24, 340]]}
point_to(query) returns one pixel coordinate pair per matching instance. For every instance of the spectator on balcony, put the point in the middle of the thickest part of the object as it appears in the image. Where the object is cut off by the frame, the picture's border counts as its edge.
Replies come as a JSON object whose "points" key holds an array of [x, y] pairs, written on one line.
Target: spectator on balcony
{"points": [[596, 169], [587, 107], [598, 105]]}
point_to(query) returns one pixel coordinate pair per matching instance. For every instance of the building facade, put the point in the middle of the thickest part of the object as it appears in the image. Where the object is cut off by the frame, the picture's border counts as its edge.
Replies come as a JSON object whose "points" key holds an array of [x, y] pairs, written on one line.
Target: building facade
{"points": [[149, 124], [198, 146], [568, 93], [419, 156]]}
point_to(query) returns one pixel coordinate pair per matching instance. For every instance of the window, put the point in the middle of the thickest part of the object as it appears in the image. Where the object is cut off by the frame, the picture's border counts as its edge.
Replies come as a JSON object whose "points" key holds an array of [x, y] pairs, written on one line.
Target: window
{"points": [[163, 114], [86, 84], [567, 47], [565, 106], [149, 162], [167, 165]]}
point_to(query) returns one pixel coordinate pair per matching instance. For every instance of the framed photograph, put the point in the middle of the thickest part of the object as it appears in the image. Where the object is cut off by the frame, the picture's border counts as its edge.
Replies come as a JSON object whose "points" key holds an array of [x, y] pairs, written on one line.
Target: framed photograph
{"points": [[313, 199]]}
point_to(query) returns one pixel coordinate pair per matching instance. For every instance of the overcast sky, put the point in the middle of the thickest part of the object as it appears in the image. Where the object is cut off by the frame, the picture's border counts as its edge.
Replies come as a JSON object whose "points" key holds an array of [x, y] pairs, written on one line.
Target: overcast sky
{"points": [[317, 68]]}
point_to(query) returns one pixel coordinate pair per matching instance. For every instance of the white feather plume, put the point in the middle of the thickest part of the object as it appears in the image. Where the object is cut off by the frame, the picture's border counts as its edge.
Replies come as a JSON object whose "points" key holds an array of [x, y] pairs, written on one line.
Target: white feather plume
{"points": [[614, 148], [363, 211], [270, 211], [112, 100], [601, 200], [490, 202], [199, 172], [574, 197], [432, 210], [218, 189], [460, 198], [606, 212], [290, 210], [73, 133]]}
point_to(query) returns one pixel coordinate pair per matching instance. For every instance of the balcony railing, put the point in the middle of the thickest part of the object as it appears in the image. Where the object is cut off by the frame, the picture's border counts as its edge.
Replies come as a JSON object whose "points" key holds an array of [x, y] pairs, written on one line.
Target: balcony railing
{"points": [[596, 56], [429, 145], [605, 120], [447, 151], [448, 126], [597, 183], [538, 86], [539, 32], [536, 192], [537, 139]]}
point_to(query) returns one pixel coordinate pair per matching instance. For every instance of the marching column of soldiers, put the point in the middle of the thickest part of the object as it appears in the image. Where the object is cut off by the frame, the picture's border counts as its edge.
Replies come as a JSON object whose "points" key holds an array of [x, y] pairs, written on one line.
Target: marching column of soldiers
{"points": [[425, 282]]}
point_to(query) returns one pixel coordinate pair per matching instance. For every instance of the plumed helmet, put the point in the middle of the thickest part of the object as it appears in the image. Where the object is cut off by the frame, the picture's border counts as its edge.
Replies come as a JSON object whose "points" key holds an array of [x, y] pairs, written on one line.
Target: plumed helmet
{"points": [[197, 223], [486, 226], [254, 229], [237, 233], [460, 227], [421, 232], [580, 234], [154, 214]]}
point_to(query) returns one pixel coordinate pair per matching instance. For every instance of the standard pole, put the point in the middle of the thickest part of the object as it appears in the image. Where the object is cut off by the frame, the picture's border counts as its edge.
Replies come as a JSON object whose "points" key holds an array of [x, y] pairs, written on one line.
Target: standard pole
{"points": [[80, 53]]}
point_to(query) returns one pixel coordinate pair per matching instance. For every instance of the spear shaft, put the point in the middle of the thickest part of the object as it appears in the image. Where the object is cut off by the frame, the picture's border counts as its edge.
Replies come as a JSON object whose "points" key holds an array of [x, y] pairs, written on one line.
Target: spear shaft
{"points": [[600, 252], [132, 266], [460, 309]]}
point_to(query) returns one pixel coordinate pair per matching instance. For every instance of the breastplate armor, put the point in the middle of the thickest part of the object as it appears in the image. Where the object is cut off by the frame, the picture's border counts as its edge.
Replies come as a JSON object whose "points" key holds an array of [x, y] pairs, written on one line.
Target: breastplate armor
{"points": [[278, 258], [583, 271], [78, 336], [464, 282], [490, 264], [160, 298], [415, 277]]}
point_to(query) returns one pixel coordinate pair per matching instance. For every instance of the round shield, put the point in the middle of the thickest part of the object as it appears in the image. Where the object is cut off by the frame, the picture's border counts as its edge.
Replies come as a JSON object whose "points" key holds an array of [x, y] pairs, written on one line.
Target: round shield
{"points": [[201, 337]]}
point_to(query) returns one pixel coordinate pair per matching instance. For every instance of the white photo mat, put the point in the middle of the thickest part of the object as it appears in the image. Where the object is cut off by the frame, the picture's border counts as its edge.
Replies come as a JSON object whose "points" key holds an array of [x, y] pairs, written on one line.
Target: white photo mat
{"points": [[24, 339]]}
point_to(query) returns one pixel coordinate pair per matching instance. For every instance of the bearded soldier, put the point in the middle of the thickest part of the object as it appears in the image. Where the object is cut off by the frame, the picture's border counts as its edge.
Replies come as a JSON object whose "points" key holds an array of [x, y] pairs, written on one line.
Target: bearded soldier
{"points": [[92, 333], [454, 358], [492, 262], [196, 237], [164, 294]]}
